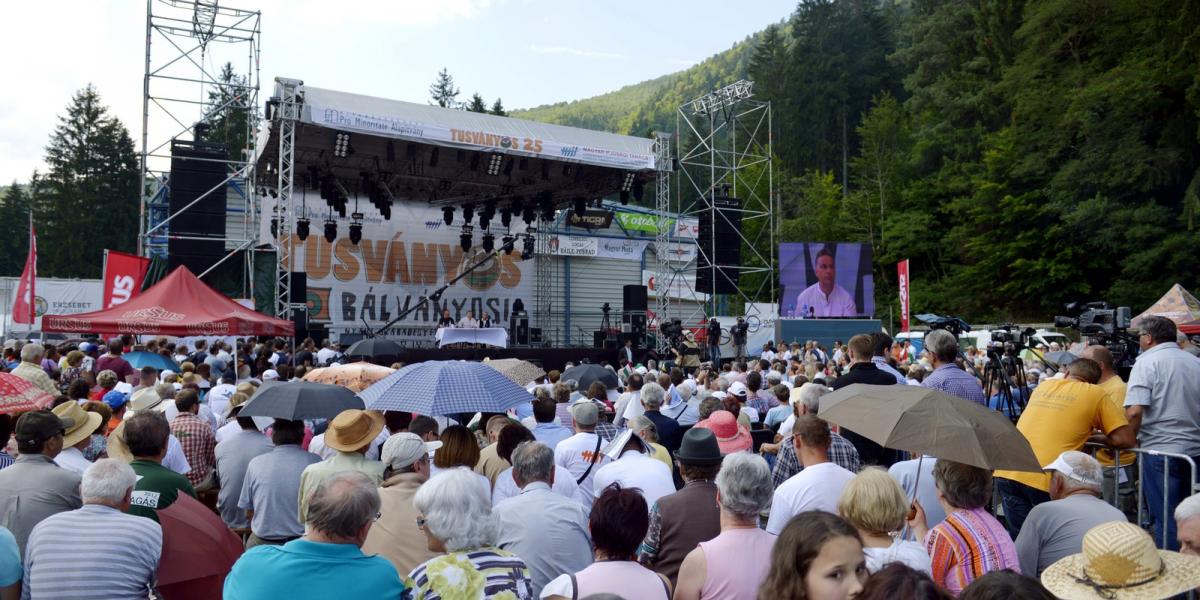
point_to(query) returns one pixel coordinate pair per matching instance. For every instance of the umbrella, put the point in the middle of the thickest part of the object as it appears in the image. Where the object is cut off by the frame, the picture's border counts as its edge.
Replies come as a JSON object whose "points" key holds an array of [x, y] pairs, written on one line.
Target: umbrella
{"points": [[18, 395], [198, 550], [584, 375], [520, 372], [377, 348], [926, 421], [298, 400], [354, 376], [141, 359], [1060, 358], [445, 387]]}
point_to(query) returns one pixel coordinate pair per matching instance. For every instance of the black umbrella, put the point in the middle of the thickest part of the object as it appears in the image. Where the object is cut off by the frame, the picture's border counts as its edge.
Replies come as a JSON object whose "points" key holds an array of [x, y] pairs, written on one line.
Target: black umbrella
{"points": [[584, 375], [297, 400], [373, 348]]}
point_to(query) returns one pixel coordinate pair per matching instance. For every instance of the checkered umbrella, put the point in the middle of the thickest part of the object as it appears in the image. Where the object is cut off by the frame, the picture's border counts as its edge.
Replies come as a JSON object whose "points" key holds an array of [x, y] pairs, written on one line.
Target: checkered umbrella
{"points": [[445, 387], [18, 395]]}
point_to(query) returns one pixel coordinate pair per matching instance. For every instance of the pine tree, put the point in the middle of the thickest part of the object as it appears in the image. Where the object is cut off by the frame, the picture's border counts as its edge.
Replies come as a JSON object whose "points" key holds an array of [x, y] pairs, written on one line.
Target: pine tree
{"points": [[768, 66], [88, 201], [498, 108], [477, 104], [228, 111], [442, 92], [14, 230]]}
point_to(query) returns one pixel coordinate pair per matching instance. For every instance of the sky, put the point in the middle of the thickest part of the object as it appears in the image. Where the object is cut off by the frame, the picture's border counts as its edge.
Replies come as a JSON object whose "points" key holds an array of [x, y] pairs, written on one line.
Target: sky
{"points": [[527, 52]]}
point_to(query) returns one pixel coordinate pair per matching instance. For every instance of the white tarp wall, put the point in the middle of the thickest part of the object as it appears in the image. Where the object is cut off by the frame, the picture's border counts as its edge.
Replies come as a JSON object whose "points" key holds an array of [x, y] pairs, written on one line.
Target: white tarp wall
{"points": [[54, 296]]}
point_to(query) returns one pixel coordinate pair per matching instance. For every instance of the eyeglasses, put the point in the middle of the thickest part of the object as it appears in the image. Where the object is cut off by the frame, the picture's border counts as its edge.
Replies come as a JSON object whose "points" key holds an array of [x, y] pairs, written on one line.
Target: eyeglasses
{"points": [[420, 522], [378, 515]]}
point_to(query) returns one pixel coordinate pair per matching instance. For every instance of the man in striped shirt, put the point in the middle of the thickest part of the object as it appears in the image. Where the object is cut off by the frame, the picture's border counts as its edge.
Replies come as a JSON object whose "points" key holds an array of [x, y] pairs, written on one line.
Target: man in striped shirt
{"points": [[96, 551]]}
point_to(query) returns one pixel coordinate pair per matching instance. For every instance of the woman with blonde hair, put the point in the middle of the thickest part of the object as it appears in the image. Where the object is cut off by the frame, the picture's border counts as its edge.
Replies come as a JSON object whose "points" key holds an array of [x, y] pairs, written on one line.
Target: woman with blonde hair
{"points": [[876, 506]]}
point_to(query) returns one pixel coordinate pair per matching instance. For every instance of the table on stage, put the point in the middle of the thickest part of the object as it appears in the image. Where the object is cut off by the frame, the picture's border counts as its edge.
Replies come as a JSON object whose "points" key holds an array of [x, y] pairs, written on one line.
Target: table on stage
{"points": [[492, 336]]}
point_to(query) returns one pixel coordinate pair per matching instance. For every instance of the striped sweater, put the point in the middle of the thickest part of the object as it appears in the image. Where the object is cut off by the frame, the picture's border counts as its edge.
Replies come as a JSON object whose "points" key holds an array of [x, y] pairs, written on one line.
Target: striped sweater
{"points": [[968, 544], [92, 552]]}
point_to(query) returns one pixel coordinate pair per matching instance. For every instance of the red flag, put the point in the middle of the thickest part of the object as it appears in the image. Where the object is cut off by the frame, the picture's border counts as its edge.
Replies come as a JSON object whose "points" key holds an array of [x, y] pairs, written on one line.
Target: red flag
{"points": [[902, 271], [23, 310], [123, 275]]}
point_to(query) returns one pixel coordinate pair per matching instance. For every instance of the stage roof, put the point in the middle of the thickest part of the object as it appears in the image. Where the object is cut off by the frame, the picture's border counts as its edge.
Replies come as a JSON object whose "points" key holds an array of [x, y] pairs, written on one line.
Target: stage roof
{"points": [[448, 156]]}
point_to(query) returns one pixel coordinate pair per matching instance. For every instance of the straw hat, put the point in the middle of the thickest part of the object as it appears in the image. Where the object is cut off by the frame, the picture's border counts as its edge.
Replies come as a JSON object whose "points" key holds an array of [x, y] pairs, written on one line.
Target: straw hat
{"points": [[116, 446], [1119, 561], [353, 428], [85, 423]]}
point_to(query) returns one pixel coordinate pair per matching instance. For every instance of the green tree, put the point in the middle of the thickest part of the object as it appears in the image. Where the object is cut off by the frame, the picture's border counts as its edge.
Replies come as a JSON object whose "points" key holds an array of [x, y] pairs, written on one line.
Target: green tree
{"points": [[229, 112], [477, 104], [498, 108], [14, 230], [769, 65], [443, 92], [88, 199]]}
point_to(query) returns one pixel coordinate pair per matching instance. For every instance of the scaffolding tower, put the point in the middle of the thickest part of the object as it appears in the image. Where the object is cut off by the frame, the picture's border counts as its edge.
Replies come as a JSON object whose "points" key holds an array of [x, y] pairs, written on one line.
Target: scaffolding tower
{"points": [[186, 44], [725, 151]]}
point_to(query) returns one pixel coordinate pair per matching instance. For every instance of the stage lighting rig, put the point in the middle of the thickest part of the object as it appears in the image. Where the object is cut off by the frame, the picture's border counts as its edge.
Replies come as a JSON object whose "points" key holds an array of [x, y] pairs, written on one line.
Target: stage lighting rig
{"points": [[518, 203], [468, 211], [527, 247], [724, 97], [505, 218], [356, 228], [495, 161], [448, 214], [627, 184], [464, 238], [331, 231], [547, 206], [275, 227], [639, 190], [489, 242], [509, 244], [528, 214], [302, 226], [341, 145]]}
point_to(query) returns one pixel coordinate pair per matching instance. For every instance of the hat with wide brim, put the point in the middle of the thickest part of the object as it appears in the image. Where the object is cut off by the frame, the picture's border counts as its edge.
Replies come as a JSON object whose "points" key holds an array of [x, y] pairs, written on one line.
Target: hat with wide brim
{"points": [[116, 447], [1119, 562], [353, 428], [84, 422], [731, 435]]}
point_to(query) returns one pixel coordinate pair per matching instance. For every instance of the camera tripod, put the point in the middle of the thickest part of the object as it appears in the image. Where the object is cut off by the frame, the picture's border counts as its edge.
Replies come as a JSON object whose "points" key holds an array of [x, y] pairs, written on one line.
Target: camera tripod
{"points": [[1002, 365]]}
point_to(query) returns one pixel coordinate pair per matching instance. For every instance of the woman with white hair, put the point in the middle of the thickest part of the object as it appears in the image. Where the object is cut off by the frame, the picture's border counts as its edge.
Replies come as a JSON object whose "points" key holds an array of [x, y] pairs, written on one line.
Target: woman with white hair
{"points": [[810, 397], [456, 518], [734, 564]]}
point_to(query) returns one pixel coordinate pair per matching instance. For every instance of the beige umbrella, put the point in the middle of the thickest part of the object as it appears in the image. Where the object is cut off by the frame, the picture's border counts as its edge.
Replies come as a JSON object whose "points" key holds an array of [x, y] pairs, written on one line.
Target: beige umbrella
{"points": [[356, 376], [520, 372]]}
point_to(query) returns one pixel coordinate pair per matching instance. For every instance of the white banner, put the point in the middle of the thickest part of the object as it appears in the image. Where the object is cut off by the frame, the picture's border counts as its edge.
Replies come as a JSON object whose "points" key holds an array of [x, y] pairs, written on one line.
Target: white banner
{"points": [[683, 253], [622, 249], [570, 245], [56, 297], [680, 286], [397, 262], [399, 126]]}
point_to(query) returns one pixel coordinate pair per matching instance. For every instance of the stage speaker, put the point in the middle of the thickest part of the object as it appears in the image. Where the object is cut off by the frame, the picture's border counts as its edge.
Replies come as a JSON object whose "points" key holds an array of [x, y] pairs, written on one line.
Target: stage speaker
{"points": [[610, 343], [519, 327], [636, 322], [196, 194], [720, 247], [635, 298], [300, 320], [599, 339], [627, 336], [535, 335], [299, 291]]}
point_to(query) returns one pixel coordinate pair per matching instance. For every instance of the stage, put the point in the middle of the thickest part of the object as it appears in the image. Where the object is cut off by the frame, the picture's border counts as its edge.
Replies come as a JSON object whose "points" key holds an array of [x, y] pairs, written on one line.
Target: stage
{"points": [[548, 358]]}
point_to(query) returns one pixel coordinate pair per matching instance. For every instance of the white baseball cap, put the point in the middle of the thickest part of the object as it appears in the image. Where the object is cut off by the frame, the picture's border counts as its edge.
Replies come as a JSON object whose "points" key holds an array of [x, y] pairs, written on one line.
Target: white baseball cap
{"points": [[739, 389]]}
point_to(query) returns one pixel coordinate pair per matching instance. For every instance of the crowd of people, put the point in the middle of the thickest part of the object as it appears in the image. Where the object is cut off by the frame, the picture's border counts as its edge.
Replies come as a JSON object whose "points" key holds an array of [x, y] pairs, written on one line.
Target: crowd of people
{"points": [[684, 482]]}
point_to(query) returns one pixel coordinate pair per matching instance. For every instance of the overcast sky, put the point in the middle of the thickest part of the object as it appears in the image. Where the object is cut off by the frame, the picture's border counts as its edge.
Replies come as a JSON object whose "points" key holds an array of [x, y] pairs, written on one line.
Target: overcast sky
{"points": [[525, 51]]}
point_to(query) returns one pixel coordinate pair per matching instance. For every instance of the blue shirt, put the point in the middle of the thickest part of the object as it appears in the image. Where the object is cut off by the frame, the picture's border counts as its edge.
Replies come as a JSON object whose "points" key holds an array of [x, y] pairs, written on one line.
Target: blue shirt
{"points": [[10, 559], [957, 382], [304, 570], [1165, 380], [882, 364], [551, 434]]}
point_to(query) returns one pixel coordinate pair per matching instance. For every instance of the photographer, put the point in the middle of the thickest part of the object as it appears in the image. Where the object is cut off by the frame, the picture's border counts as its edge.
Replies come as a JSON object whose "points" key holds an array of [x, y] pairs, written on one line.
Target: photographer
{"points": [[714, 341], [738, 333], [687, 354], [1160, 405]]}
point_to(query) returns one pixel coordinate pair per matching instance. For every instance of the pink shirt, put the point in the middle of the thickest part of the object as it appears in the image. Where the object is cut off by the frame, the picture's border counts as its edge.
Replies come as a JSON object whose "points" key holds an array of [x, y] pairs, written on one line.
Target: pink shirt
{"points": [[626, 579], [738, 561]]}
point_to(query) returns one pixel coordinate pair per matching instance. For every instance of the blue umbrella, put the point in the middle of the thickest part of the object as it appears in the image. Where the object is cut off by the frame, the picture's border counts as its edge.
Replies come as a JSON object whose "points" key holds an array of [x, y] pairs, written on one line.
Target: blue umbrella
{"points": [[445, 387], [141, 359]]}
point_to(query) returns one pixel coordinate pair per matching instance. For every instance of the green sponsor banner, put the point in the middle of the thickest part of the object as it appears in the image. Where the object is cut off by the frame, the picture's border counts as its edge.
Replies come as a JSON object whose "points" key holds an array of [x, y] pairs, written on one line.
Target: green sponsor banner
{"points": [[644, 223]]}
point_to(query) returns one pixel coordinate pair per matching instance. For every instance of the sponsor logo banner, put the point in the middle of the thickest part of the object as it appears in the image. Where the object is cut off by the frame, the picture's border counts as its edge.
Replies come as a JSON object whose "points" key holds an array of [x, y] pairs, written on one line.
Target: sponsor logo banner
{"points": [[621, 249], [123, 276], [680, 286], [590, 219]]}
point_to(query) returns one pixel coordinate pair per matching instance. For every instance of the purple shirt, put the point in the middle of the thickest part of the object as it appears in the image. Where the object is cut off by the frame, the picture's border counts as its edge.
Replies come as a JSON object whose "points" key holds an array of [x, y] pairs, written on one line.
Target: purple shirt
{"points": [[953, 380]]}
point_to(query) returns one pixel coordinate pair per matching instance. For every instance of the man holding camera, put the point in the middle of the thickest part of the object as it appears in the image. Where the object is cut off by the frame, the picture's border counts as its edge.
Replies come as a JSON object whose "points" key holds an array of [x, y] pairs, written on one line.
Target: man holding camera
{"points": [[714, 341], [738, 333]]}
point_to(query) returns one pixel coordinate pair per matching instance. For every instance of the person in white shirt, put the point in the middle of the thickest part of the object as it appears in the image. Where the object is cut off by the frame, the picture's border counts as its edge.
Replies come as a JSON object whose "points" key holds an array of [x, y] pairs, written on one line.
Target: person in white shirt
{"points": [[580, 454], [819, 483], [629, 405], [327, 353], [468, 321], [77, 437], [825, 298], [634, 466]]}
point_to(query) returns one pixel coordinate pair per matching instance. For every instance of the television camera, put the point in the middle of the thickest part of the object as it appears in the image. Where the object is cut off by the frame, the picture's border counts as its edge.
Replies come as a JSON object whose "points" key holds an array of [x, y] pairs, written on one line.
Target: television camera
{"points": [[1100, 323]]}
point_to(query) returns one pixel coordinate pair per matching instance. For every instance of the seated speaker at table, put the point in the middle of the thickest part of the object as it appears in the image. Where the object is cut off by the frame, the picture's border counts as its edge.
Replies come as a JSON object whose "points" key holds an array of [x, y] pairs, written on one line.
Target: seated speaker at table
{"points": [[469, 320]]}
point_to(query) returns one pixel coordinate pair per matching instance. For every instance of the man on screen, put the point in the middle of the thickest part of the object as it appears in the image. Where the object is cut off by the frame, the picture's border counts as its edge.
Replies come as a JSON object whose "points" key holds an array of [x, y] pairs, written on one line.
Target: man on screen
{"points": [[826, 298]]}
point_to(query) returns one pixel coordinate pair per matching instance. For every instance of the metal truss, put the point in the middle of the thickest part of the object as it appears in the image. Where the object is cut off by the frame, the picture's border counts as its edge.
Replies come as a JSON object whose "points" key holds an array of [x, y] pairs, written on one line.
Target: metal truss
{"points": [[286, 116], [726, 151], [663, 272], [184, 39]]}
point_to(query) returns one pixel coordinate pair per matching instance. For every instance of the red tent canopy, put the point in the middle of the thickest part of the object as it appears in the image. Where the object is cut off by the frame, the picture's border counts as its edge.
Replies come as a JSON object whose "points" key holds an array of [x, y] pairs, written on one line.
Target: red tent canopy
{"points": [[179, 304]]}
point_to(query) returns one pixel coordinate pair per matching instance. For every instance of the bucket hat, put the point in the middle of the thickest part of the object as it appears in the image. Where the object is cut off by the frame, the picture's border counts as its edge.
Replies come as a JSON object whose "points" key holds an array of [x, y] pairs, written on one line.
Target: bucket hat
{"points": [[1119, 561]]}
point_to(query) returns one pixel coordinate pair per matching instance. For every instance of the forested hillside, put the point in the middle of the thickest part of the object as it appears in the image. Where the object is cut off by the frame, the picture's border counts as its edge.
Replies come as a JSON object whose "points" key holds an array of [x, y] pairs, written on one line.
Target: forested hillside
{"points": [[1020, 153]]}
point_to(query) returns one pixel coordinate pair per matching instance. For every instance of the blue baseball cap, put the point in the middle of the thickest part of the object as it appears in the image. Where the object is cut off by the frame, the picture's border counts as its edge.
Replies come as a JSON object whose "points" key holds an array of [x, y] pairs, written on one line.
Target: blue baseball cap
{"points": [[87, 347], [115, 400]]}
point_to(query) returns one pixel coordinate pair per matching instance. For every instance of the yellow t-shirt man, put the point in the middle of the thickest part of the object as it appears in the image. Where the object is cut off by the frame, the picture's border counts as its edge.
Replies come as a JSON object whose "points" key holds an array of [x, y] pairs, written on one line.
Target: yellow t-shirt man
{"points": [[1060, 416], [1114, 391]]}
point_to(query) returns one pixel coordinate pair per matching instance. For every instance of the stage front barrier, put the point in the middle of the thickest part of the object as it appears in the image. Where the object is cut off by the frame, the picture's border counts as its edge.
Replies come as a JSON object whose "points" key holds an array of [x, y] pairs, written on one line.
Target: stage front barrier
{"points": [[824, 331], [1120, 456], [492, 336]]}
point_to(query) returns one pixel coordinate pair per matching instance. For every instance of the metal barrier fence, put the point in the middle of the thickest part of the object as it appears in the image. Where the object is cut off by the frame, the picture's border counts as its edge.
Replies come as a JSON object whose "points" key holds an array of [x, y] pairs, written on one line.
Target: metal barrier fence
{"points": [[1138, 480]]}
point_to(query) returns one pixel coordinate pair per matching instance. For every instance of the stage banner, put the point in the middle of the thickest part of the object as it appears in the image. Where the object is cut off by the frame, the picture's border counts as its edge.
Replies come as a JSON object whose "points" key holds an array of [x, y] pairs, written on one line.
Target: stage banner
{"points": [[683, 253], [688, 228], [23, 310], [682, 286], [621, 249], [902, 272], [123, 275], [569, 245], [397, 262]]}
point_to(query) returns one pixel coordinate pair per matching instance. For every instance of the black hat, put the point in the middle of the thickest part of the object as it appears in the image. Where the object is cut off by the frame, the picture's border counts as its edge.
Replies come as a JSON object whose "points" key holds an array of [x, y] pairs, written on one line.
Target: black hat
{"points": [[37, 426], [699, 447]]}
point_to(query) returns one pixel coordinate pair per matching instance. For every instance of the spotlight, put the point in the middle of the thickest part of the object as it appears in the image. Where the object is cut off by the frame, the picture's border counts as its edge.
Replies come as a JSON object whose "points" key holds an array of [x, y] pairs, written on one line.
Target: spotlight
{"points": [[527, 250], [464, 239], [547, 205], [509, 244], [302, 228], [356, 228], [528, 214], [468, 213], [580, 205], [627, 184], [331, 231], [494, 163], [274, 194], [489, 242], [505, 217], [517, 204], [341, 145], [448, 214], [638, 190], [624, 197]]}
